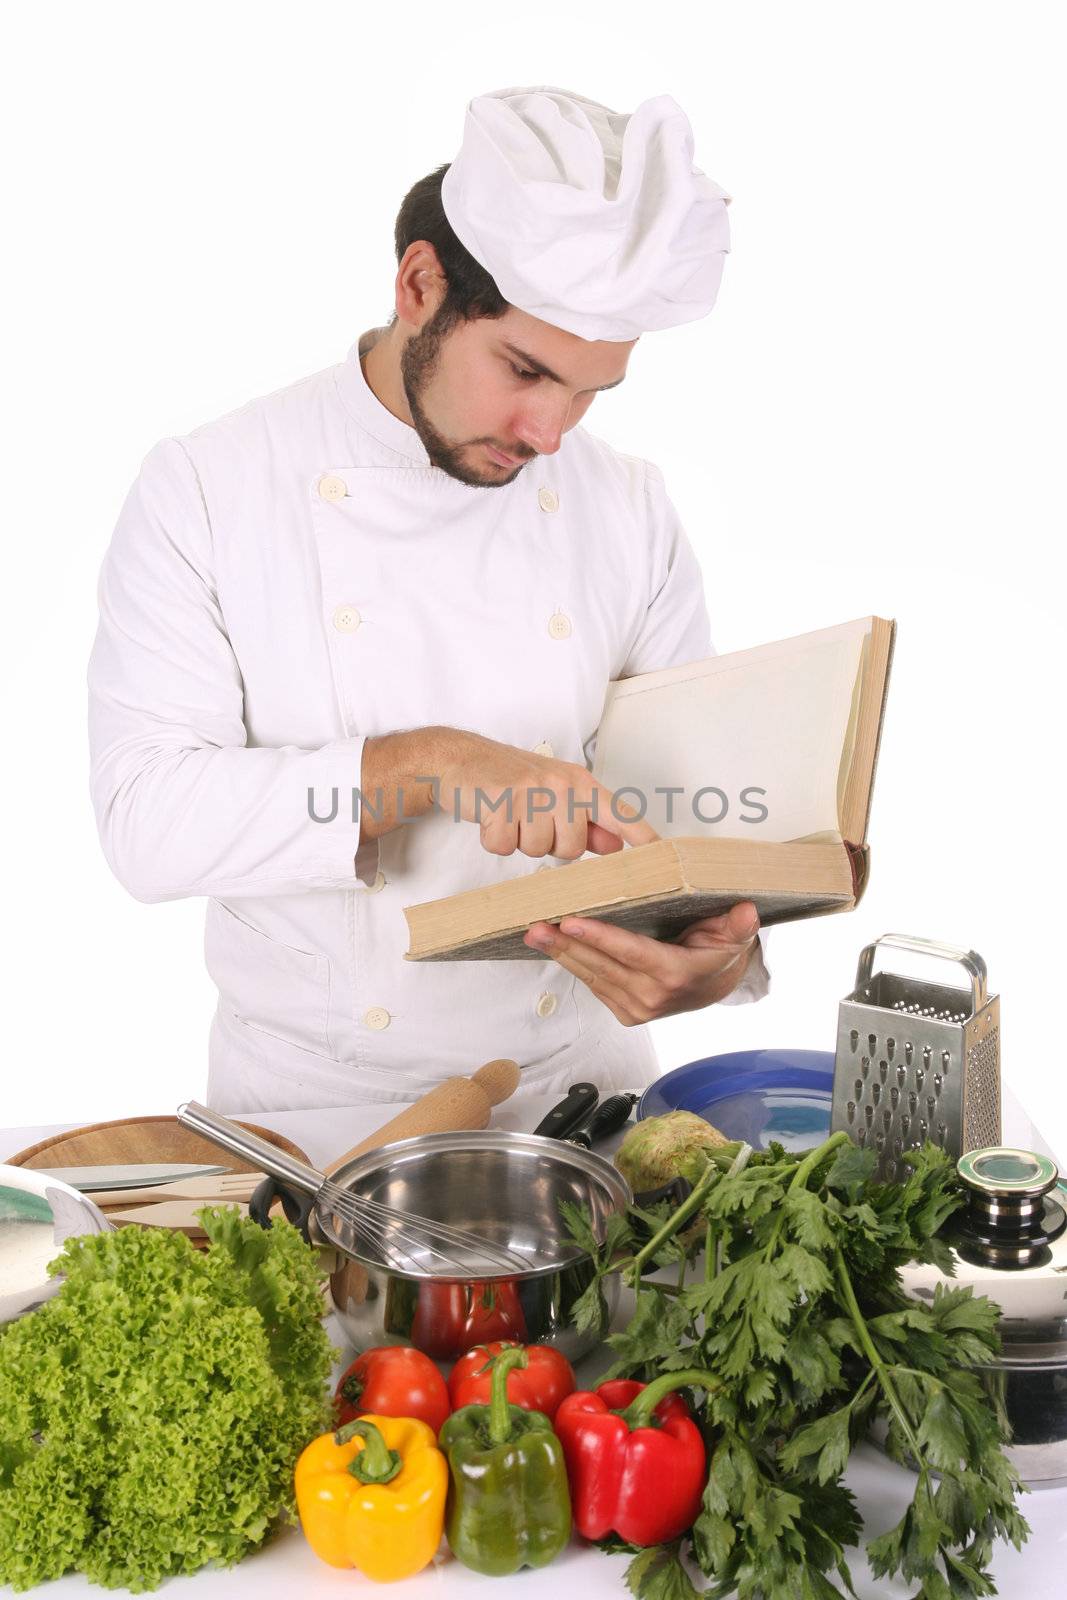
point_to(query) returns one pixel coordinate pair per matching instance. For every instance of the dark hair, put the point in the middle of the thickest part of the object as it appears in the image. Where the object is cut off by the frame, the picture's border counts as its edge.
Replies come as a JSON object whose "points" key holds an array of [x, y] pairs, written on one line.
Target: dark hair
{"points": [[471, 291]]}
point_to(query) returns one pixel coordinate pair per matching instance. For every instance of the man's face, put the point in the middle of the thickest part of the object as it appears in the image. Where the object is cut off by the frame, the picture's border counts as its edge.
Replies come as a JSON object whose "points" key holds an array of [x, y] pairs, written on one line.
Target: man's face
{"points": [[501, 387]]}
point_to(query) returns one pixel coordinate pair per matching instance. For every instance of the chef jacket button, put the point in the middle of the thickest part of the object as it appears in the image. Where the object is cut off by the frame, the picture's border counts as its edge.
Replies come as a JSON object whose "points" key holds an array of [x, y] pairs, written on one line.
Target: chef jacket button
{"points": [[543, 749], [559, 625], [379, 882], [346, 619], [331, 488], [377, 1017], [548, 499], [546, 1004]]}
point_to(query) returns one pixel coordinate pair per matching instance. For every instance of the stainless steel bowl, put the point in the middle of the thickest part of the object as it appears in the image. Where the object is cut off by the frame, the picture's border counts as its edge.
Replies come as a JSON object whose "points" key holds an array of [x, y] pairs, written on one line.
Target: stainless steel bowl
{"points": [[37, 1213], [506, 1187]]}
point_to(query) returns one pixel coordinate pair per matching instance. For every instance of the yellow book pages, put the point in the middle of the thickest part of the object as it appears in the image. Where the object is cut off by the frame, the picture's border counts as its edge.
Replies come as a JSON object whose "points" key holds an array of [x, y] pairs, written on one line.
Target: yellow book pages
{"points": [[657, 889], [773, 742]]}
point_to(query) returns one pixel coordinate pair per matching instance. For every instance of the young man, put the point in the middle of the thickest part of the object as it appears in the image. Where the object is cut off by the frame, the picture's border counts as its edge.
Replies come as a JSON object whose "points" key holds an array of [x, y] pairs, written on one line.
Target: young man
{"points": [[410, 578]]}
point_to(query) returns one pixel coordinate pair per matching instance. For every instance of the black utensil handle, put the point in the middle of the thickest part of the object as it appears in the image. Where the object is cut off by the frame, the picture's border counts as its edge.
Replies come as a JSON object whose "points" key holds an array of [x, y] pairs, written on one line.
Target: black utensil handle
{"points": [[298, 1207], [676, 1191], [571, 1112], [610, 1115]]}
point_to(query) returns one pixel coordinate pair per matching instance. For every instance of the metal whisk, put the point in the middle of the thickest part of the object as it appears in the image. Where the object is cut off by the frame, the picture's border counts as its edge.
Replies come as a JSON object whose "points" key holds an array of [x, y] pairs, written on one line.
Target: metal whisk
{"points": [[404, 1241]]}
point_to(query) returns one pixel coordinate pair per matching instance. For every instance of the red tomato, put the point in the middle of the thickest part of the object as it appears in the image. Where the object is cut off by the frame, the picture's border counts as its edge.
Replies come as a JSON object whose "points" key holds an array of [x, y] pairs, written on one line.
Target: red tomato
{"points": [[540, 1386], [393, 1381], [495, 1312], [453, 1317]]}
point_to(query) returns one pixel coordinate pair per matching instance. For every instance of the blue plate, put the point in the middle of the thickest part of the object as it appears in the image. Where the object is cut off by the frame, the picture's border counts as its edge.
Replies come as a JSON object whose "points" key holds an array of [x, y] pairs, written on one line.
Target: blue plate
{"points": [[754, 1095]]}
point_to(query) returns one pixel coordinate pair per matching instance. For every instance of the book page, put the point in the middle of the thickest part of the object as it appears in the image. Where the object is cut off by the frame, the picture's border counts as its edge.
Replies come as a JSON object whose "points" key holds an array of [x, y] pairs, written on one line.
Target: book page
{"points": [[772, 719], [848, 743]]}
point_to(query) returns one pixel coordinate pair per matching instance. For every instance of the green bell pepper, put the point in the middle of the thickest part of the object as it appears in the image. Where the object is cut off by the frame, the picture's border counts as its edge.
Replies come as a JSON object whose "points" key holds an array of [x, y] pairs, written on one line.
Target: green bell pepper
{"points": [[509, 1504]]}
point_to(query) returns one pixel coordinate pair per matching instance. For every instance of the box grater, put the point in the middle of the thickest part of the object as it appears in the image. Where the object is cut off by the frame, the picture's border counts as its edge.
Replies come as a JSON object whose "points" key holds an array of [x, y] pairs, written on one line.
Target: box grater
{"points": [[917, 1060]]}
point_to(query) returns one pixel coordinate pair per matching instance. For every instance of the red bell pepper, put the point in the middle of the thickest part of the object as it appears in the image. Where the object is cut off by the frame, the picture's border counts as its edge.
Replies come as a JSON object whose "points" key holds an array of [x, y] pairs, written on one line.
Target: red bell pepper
{"points": [[539, 1386], [393, 1381], [635, 1458], [452, 1317]]}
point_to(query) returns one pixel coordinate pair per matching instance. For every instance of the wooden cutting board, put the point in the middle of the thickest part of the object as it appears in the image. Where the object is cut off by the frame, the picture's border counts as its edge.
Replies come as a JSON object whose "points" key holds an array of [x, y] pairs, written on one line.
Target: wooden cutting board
{"points": [[130, 1139], [105, 1144]]}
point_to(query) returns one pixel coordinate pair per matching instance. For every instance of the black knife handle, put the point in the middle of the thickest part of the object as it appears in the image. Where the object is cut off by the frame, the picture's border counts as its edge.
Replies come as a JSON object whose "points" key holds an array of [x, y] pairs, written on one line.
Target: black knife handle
{"points": [[610, 1115], [564, 1118]]}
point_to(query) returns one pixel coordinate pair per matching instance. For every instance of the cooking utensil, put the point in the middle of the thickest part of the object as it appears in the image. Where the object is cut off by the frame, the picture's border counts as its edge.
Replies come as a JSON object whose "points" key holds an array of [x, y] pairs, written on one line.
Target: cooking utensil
{"points": [[917, 1060], [506, 1186], [37, 1213], [226, 1188], [347, 1221], [609, 1116], [455, 1103], [181, 1215], [581, 1098], [139, 1139], [132, 1175], [1011, 1245], [752, 1095]]}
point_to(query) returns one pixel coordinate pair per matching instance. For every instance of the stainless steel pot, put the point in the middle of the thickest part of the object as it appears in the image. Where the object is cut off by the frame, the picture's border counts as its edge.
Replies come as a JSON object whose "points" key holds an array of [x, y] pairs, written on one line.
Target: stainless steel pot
{"points": [[1011, 1245], [507, 1187]]}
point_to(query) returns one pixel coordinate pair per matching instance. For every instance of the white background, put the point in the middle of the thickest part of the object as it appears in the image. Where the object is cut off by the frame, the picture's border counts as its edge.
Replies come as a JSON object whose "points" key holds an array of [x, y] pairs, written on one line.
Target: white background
{"points": [[200, 201]]}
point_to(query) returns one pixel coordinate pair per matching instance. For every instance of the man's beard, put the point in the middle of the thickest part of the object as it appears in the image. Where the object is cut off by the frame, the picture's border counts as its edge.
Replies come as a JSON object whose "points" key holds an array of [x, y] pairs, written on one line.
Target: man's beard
{"points": [[418, 363]]}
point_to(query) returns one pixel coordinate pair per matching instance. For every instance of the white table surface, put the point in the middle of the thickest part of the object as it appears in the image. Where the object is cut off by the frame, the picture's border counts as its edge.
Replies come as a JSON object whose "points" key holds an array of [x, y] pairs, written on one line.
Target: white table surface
{"points": [[287, 1566]]}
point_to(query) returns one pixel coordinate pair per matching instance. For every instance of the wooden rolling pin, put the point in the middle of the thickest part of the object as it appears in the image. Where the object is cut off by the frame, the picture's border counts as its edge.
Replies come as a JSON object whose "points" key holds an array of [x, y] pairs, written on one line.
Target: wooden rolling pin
{"points": [[456, 1103]]}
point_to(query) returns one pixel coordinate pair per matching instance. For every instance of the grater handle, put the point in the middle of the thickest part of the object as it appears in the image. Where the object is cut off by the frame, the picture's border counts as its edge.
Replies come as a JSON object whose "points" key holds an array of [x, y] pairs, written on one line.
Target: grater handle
{"points": [[969, 960]]}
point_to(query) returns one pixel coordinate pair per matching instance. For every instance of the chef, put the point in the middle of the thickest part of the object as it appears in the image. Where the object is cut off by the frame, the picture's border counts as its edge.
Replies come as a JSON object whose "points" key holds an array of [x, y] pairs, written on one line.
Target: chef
{"points": [[342, 625]]}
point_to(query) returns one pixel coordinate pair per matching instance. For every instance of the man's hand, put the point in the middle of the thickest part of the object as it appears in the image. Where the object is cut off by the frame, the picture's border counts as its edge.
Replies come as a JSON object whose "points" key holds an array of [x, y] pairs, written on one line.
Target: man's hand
{"points": [[474, 779], [640, 979], [543, 806]]}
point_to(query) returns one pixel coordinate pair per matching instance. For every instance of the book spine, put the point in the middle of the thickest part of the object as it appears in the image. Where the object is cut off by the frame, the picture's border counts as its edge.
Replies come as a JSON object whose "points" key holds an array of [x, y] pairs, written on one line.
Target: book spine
{"points": [[859, 860]]}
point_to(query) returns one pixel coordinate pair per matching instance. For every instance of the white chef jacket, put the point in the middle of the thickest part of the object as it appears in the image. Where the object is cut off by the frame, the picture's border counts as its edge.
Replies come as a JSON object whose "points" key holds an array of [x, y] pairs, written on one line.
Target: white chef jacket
{"points": [[282, 584]]}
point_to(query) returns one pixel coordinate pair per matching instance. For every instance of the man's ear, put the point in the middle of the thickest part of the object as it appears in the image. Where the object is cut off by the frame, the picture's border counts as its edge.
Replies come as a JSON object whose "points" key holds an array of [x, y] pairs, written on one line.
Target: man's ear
{"points": [[421, 285]]}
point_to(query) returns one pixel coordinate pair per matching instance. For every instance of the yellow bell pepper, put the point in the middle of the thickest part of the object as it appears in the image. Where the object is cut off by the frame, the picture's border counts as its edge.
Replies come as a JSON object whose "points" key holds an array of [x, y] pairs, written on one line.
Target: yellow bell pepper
{"points": [[372, 1496]]}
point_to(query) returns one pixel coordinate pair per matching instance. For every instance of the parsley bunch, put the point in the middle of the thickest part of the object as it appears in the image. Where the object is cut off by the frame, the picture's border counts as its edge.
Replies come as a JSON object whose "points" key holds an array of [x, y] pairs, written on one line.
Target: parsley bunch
{"points": [[798, 1309]]}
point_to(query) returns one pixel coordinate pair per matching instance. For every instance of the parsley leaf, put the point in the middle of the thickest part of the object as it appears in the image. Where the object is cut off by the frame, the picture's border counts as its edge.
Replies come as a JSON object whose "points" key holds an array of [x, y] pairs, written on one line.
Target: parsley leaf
{"points": [[658, 1574]]}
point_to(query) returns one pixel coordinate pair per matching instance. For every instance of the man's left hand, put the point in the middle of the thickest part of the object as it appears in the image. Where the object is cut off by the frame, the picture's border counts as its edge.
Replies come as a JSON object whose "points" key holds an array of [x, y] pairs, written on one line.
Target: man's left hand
{"points": [[639, 978]]}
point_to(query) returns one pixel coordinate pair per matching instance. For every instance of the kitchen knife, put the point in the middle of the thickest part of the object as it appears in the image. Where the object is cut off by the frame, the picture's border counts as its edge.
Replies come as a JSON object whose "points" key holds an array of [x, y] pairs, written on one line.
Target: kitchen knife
{"points": [[571, 1112], [134, 1175], [609, 1116]]}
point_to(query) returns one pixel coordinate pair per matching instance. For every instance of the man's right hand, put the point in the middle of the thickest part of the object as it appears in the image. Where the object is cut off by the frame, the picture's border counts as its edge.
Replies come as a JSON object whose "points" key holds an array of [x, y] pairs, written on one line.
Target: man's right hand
{"points": [[551, 801], [534, 803]]}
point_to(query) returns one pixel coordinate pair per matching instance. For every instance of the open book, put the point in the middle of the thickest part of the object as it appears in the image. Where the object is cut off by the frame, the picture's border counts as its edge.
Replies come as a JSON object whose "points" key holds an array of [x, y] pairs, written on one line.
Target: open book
{"points": [[756, 770]]}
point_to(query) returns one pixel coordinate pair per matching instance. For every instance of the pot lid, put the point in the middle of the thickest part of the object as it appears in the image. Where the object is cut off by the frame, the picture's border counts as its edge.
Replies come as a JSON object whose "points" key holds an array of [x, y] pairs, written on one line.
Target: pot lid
{"points": [[1010, 1244]]}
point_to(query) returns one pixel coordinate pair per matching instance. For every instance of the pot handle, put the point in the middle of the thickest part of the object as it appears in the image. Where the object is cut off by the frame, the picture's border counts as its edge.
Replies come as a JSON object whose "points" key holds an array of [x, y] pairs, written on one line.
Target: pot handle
{"points": [[298, 1207]]}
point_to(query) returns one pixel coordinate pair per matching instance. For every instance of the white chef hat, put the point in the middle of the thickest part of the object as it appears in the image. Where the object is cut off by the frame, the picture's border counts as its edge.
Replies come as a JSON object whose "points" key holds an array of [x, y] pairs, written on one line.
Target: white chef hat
{"points": [[594, 220]]}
